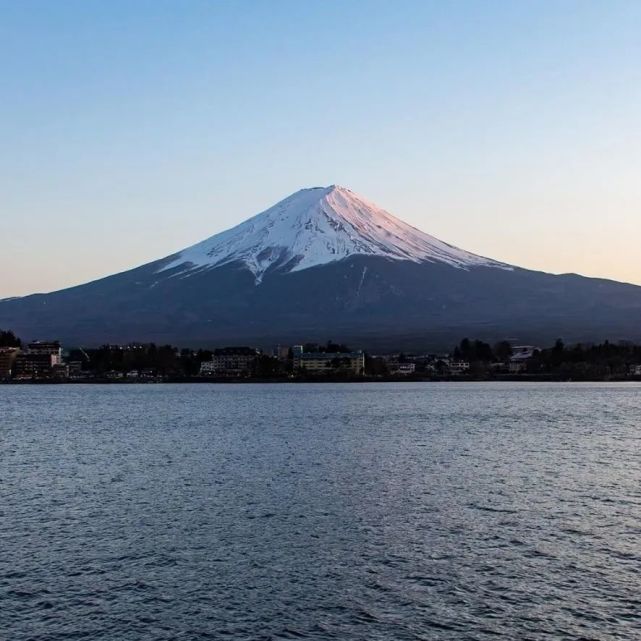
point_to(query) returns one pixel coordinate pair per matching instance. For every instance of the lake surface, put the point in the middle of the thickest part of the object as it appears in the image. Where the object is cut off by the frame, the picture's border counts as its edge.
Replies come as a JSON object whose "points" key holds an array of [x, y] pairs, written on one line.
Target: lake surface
{"points": [[377, 511]]}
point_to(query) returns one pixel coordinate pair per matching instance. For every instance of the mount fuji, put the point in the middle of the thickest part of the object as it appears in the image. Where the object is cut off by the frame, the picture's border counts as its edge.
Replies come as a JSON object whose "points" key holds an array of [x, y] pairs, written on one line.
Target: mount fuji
{"points": [[326, 263]]}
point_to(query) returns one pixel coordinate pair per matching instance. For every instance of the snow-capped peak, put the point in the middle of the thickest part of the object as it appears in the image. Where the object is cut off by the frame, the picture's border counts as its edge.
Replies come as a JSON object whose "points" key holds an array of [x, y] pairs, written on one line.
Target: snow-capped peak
{"points": [[318, 226]]}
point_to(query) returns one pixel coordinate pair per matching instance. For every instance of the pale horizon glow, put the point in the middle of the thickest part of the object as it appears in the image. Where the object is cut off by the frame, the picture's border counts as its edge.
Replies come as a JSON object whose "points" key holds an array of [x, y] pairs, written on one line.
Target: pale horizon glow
{"points": [[130, 131]]}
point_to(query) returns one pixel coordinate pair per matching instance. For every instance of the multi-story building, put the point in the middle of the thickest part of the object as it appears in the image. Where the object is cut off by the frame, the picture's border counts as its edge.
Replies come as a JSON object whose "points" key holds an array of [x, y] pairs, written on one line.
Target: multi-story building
{"points": [[230, 361], [29, 366], [46, 348], [39, 360], [207, 368], [328, 362]]}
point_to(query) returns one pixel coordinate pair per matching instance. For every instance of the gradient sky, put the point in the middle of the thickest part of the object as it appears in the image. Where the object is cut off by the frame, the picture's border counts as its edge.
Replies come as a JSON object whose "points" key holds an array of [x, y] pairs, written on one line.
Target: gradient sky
{"points": [[129, 130]]}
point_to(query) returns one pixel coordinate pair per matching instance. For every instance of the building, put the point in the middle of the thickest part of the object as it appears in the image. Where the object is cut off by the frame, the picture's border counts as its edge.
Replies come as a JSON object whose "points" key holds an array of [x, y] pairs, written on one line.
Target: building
{"points": [[52, 349], [402, 369], [456, 368], [28, 366], [328, 362], [230, 361], [60, 371], [521, 354], [75, 369], [41, 359], [281, 352], [207, 368], [8, 357]]}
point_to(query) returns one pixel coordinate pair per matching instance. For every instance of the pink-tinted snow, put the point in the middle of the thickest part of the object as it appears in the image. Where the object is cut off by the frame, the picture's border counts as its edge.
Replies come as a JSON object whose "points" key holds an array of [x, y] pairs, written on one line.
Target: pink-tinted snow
{"points": [[317, 226]]}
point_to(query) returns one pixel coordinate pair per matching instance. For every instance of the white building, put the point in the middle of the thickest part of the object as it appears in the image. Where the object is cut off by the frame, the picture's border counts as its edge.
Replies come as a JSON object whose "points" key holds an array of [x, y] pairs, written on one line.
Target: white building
{"points": [[458, 367], [521, 354], [403, 369]]}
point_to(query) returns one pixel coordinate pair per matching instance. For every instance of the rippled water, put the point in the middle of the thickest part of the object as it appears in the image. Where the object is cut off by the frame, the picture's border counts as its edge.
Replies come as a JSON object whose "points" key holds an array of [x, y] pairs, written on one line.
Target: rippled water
{"points": [[400, 511]]}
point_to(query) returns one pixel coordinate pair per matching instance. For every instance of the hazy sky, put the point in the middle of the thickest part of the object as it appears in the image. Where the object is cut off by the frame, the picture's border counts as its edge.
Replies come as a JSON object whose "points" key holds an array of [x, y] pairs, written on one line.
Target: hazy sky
{"points": [[129, 130]]}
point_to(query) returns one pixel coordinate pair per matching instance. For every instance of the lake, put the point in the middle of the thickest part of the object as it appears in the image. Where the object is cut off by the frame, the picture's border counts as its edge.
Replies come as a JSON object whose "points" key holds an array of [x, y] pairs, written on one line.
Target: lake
{"points": [[455, 511]]}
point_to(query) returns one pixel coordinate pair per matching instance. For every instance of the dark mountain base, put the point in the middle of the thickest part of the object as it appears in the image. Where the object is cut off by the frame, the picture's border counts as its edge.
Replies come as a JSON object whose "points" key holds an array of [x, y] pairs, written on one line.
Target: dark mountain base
{"points": [[370, 302]]}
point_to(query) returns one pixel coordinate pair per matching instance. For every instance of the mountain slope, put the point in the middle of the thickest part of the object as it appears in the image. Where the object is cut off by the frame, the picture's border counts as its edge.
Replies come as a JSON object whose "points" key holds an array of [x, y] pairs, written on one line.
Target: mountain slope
{"points": [[325, 263]]}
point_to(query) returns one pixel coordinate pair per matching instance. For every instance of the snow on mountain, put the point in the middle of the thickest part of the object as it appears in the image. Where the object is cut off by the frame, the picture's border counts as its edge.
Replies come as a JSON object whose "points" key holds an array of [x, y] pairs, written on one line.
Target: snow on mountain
{"points": [[317, 226]]}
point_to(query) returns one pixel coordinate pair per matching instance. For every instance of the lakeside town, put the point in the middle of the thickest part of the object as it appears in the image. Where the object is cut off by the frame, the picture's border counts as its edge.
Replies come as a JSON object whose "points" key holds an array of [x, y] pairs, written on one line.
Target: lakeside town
{"points": [[49, 361]]}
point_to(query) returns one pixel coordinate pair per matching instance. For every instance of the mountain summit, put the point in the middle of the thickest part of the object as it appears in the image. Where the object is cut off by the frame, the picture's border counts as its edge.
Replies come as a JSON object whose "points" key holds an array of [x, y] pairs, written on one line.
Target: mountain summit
{"points": [[317, 226], [326, 263]]}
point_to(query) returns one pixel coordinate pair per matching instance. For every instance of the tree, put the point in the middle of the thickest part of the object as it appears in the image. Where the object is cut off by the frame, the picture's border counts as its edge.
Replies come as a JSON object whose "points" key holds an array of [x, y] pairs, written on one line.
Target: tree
{"points": [[473, 351], [9, 339], [503, 351]]}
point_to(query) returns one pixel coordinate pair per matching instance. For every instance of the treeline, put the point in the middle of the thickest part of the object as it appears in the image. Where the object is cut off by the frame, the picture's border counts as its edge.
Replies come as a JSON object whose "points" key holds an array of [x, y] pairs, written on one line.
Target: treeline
{"points": [[591, 362], [477, 351], [600, 361], [168, 360], [9, 339], [165, 360], [329, 348]]}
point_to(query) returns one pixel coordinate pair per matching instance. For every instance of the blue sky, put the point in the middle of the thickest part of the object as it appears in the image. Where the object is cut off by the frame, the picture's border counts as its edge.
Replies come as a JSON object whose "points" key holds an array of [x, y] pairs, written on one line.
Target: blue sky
{"points": [[129, 130]]}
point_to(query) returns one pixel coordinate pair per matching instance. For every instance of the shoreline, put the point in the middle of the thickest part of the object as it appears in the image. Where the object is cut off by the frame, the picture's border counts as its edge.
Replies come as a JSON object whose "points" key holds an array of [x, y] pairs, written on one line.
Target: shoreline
{"points": [[356, 380]]}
